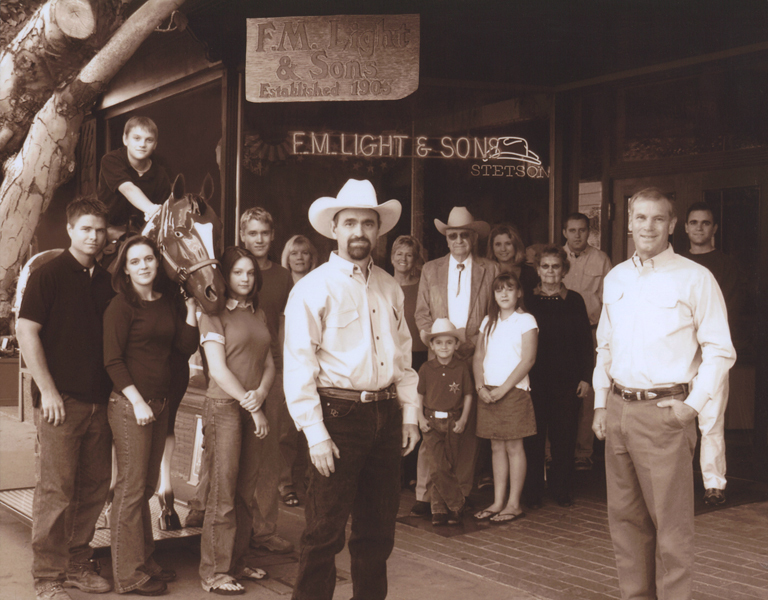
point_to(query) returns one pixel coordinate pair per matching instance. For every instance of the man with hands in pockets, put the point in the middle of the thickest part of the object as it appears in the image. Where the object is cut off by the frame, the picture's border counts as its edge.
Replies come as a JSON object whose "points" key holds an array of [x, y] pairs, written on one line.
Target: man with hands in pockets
{"points": [[350, 388], [663, 345]]}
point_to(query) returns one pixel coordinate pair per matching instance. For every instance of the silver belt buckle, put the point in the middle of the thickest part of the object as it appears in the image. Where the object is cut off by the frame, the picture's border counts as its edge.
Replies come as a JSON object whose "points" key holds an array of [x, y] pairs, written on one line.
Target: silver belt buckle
{"points": [[366, 396], [629, 396], [439, 414]]}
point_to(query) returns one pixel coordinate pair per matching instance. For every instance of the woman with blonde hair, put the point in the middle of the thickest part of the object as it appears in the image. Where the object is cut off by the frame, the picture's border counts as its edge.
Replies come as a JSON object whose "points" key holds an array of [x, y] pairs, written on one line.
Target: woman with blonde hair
{"points": [[506, 247], [407, 261], [299, 256]]}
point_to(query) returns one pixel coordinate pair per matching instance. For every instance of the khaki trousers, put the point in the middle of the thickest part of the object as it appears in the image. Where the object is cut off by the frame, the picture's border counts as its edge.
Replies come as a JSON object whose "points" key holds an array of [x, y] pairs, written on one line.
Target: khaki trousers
{"points": [[649, 473]]}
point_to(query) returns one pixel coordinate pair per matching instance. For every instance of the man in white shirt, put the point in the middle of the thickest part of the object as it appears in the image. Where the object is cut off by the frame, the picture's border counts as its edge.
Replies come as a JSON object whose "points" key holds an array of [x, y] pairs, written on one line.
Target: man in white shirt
{"points": [[456, 287], [350, 388], [589, 266], [663, 346]]}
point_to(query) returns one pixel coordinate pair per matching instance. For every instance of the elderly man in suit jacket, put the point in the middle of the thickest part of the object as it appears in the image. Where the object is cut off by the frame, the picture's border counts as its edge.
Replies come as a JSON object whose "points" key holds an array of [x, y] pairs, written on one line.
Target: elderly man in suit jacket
{"points": [[455, 287]]}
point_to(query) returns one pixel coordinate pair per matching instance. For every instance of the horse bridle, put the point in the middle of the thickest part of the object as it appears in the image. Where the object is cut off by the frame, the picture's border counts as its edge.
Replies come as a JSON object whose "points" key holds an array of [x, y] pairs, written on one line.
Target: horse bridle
{"points": [[182, 272]]}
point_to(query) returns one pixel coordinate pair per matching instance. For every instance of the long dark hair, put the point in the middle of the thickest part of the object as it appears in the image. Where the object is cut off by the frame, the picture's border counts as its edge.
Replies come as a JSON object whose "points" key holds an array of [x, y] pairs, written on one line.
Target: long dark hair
{"points": [[121, 282], [229, 258], [501, 281]]}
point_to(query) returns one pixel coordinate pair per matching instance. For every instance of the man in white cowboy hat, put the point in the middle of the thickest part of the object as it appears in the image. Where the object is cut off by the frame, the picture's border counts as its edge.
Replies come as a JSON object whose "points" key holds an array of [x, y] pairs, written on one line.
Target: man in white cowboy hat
{"points": [[455, 287], [350, 388]]}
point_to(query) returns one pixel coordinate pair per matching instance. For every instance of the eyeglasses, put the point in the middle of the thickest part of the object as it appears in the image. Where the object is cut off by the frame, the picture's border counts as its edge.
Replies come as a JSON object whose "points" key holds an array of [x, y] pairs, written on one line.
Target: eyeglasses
{"points": [[464, 235]]}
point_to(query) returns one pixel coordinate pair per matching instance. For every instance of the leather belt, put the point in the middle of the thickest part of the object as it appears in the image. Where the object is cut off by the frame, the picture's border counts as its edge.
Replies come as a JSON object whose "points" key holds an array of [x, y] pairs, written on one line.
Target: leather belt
{"points": [[631, 394], [364, 396]]}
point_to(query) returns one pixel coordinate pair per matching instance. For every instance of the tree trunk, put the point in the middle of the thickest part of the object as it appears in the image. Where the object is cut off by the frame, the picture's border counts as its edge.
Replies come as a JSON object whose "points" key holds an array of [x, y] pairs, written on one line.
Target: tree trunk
{"points": [[51, 48], [46, 159]]}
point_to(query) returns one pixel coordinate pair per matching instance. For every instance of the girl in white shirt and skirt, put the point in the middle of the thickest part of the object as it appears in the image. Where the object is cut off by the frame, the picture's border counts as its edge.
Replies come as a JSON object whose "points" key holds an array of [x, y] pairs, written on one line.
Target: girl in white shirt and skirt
{"points": [[505, 352]]}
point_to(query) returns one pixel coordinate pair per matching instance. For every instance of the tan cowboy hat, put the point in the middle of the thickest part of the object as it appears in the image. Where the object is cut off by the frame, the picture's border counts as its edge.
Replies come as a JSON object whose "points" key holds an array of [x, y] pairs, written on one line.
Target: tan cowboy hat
{"points": [[444, 327], [460, 218], [355, 194]]}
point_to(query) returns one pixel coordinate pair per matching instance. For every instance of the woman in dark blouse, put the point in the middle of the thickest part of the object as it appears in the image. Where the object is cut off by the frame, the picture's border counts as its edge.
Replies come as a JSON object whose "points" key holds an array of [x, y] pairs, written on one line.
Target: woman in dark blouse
{"points": [[142, 325], [559, 379], [505, 246]]}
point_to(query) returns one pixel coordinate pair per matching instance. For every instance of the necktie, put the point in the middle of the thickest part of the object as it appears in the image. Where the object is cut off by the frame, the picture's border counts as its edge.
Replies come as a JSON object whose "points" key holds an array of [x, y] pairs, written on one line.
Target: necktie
{"points": [[460, 267]]}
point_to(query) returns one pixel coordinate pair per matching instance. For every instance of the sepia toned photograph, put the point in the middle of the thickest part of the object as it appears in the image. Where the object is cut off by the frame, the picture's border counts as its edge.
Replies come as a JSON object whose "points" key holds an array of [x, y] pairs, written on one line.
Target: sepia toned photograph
{"points": [[417, 299]]}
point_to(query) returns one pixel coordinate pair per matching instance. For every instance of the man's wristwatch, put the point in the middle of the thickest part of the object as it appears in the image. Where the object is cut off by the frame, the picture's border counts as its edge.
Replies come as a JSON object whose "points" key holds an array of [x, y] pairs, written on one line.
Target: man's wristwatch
{"points": [[480, 387]]}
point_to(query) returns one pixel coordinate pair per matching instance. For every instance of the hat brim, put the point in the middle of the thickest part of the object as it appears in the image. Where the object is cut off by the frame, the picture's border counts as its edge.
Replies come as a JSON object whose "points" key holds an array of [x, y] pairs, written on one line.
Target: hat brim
{"points": [[481, 228], [459, 334], [322, 211]]}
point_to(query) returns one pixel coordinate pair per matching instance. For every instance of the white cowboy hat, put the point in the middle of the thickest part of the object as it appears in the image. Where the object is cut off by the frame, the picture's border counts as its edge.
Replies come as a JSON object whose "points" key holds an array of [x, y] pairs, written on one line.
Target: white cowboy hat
{"points": [[444, 327], [355, 194], [460, 218]]}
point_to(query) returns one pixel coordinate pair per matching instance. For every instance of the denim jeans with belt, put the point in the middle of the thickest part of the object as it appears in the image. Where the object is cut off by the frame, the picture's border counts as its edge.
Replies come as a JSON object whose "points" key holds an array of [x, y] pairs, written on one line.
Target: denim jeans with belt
{"points": [[139, 450], [442, 448], [365, 484], [73, 465], [232, 452]]}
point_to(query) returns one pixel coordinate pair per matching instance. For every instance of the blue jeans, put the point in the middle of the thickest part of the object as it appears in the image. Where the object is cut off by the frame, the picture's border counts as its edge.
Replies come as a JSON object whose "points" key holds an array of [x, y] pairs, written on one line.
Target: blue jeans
{"points": [[269, 466], [366, 484], [442, 448], [232, 452], [139, 450], [73, 466]]}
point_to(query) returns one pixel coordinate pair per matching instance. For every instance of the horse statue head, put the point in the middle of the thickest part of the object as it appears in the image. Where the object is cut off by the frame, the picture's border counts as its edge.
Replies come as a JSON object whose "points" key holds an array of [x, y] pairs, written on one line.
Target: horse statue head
{"points": [[187, 232]]}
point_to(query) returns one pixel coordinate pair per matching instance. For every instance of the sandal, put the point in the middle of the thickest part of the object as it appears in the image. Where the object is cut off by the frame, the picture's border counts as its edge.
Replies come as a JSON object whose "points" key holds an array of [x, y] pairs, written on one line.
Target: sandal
{"points": [[253, 574], [484, 515], [223, 585], [502, 518], [290, 499]]}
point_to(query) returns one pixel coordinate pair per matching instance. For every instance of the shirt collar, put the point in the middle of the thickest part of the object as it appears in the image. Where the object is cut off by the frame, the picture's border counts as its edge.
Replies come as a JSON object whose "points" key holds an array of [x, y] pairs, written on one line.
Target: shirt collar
{"points": [[75, 265], [347, 266], [562, 292], [450, 365], [572, 254], [657, 261], [232, 304], [453, 262]]}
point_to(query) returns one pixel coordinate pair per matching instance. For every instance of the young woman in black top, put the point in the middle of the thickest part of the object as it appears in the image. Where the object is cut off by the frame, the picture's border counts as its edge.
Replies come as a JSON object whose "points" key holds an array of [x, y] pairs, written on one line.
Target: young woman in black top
{"points": [[142, 324]]}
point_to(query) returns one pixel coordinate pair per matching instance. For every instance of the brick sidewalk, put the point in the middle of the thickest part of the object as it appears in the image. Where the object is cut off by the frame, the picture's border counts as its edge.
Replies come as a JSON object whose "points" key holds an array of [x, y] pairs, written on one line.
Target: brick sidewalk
{"points": [[566, 553]]}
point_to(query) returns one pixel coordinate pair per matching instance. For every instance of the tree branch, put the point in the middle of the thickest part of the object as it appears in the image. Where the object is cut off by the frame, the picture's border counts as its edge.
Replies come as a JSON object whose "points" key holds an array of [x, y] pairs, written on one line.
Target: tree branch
{"points": [[48, 51], [46, 159]]}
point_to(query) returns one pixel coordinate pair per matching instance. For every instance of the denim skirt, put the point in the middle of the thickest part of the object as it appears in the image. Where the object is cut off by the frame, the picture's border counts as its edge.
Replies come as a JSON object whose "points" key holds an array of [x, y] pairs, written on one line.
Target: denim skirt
{"points": [[510, 418]]}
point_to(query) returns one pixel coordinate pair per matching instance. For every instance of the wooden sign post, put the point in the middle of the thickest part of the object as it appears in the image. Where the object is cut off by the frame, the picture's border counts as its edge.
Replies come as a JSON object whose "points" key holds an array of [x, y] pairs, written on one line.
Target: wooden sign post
{"points": [[343, 57]]}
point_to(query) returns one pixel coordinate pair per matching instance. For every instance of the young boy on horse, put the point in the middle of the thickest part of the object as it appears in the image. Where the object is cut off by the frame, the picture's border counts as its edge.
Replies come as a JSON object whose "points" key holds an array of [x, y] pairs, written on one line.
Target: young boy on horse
{"points": [[131, 184]]}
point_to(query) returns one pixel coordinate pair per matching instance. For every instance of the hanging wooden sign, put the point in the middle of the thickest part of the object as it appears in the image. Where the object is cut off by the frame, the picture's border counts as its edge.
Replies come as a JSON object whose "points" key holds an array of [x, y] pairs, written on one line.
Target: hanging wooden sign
{"points": [[342, 57]]}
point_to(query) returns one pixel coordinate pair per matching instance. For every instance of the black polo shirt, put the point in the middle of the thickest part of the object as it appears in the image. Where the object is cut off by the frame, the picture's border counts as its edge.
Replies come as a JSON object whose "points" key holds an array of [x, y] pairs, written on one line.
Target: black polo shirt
{"points": [[115, 171], [69, 303]]}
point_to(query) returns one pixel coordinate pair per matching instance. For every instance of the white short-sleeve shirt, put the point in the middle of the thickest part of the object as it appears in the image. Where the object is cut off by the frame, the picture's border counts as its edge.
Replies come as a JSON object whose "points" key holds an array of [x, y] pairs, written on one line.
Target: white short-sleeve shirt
{"points": [[504, 348]]}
